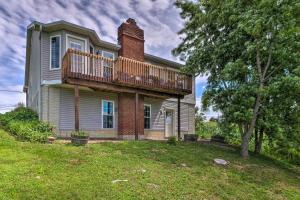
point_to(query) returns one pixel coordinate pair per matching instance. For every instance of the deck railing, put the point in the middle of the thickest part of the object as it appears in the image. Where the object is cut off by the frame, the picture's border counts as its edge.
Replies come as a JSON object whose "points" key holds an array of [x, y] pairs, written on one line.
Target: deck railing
{"points": [[124, 71]]}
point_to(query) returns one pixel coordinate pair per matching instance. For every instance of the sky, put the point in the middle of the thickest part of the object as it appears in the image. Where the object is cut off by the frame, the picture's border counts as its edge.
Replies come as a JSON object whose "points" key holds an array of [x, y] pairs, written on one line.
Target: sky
{"points": [[159, 19]]}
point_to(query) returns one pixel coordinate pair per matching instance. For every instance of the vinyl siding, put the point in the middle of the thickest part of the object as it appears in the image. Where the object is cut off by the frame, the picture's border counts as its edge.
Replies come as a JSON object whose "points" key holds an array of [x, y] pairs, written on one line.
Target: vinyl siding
{"points": [[34, 73], [51, 105], [90, 110], [157, 121], [191, 120], [58, 110], [48, 74]]}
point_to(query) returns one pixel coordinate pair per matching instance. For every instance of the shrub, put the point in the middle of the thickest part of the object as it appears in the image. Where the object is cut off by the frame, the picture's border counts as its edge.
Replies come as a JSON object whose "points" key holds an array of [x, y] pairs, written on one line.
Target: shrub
{"points": [[24, 124], [30, 131], [79, 134], [207, 129], [18, 114], [172, 140]]}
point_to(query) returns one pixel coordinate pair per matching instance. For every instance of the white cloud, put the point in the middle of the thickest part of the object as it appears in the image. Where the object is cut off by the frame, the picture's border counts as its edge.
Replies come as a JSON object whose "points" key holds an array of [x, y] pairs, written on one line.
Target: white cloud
{"points": [[198, 102], [210, 112], [201, 80]]}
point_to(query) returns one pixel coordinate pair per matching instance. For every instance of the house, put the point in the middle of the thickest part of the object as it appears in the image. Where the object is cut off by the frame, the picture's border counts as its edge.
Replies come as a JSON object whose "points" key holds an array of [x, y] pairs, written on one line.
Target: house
{"points": [[76, 81]]}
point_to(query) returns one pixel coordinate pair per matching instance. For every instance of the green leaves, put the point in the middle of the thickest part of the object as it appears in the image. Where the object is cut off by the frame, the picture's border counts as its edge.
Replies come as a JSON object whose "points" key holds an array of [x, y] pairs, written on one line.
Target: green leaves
{"points": [[23, 123], [249, 49]]}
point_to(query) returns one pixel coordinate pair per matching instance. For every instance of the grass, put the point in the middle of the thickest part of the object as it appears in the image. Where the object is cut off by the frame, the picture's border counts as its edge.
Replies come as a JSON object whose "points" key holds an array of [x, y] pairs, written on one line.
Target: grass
{"points": [[154, 170]]}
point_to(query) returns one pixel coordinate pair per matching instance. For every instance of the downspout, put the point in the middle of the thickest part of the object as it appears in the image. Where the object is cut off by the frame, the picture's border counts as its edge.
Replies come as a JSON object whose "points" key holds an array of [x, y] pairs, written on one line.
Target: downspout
{"points": [[40, 68]]}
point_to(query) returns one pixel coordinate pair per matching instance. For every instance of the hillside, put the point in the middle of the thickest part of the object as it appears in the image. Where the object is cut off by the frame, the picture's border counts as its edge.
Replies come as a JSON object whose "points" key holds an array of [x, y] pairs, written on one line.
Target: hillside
{"points": [[153, 170]]}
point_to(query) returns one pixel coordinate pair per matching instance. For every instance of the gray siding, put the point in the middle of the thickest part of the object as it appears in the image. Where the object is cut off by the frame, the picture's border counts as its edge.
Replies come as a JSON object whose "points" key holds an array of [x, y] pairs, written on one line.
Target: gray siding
{"points": [[50, 105], [48, 74], [191, 119], [158, 119], [34, 73], [58, 109], [90, 110]]}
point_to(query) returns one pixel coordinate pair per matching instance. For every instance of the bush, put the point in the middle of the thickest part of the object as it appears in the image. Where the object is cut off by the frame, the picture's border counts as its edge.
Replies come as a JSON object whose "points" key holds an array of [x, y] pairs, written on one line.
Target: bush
{"points": [[24, 124], [18, 114], [172, 140], [30, 131], [207, 129], [79, 134]]}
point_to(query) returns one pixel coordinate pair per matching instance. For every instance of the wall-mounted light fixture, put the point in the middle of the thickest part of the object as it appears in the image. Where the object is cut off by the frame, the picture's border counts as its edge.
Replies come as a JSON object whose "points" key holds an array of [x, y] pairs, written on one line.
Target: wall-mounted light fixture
{"points": [[162, 110]]}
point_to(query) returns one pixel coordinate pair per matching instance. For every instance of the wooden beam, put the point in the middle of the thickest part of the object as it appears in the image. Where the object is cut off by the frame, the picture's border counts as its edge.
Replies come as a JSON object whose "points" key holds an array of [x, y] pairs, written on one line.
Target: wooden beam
{"points": [[136, 116], [116, 88], [178, 117], [76, 104]]}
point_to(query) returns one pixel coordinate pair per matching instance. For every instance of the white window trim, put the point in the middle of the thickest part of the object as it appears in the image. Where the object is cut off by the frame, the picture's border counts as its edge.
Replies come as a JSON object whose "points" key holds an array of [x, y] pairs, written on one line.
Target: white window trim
{"points": [[113, 113], [91, 45], [102, 51], [102, 68], [75, 43], [149, 105], [76, 37], [50, 67]]}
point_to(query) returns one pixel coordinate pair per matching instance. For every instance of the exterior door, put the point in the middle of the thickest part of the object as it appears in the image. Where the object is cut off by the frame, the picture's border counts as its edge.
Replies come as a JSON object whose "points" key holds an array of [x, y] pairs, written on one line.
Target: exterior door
{"points": [[78, 61], [169, 123]]}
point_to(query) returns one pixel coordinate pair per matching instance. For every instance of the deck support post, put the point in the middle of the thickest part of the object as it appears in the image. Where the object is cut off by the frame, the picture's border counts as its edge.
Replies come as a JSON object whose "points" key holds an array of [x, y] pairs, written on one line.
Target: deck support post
{"points": [[136, 116], [178, 117], [76, 104]]}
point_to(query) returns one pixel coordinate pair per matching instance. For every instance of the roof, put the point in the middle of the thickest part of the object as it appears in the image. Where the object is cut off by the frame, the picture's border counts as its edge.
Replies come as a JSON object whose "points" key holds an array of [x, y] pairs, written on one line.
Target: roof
{"points": [[64, 25]]}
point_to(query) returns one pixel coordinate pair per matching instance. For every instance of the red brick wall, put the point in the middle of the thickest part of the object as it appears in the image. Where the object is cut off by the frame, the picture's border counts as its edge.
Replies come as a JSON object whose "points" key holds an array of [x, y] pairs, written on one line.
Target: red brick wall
{"points": [[126, 114], [131, 39]]}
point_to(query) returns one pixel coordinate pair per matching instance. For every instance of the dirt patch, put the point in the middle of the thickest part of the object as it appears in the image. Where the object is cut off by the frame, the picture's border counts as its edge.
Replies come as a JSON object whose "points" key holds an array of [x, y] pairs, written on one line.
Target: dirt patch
{"points": [[94, 141]]}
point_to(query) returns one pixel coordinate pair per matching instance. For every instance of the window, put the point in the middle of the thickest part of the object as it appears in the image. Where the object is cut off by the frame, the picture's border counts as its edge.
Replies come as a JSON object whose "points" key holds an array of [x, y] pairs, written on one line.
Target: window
{"points": [[98, 52], [107, 54], [55, 52], [77, 60], [108, 114], [76, 46], [91, 49], [107, 66], [147, 116]]}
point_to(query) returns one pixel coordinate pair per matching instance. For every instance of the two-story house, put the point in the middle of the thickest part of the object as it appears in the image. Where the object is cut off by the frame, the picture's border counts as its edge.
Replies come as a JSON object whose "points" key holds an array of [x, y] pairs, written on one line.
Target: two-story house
{"points": [[76, 81]]}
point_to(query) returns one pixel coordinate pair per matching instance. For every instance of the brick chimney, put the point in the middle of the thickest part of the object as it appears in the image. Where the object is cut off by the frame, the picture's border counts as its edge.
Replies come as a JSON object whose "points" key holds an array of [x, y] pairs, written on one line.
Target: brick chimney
{"points": [[131, 39]]}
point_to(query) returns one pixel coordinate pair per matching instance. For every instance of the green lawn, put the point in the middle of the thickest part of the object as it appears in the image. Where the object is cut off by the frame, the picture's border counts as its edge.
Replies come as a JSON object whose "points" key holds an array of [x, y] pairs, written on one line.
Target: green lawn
{"points": [[154, 170]]}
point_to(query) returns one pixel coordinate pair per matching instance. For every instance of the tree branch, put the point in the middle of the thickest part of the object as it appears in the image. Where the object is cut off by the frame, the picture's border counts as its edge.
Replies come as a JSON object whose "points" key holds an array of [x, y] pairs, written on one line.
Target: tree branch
{"points": [[269, 75], [269, 60], [258, 62]]}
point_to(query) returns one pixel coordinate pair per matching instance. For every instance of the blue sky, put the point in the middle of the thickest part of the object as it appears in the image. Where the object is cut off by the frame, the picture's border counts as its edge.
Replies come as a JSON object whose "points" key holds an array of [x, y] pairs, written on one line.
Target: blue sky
{"points": [[159, 18]]}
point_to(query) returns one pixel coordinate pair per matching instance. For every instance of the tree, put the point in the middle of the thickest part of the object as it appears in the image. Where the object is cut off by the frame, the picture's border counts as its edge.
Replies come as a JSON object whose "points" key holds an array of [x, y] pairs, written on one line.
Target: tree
{"points": [[244, 46], [199, 118]]}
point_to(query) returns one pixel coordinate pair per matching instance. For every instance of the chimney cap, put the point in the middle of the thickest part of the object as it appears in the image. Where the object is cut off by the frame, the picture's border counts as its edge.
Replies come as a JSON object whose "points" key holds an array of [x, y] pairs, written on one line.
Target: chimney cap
{"points": [[131, 21]]}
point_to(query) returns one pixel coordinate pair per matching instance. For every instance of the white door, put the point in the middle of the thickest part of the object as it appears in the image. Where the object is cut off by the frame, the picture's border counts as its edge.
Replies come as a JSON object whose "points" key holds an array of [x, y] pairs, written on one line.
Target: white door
{"points": [[78, 61], [169, 124]]}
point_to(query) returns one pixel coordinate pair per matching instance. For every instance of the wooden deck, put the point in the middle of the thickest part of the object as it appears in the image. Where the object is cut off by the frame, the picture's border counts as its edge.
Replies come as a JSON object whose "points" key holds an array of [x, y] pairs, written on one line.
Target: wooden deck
{"points": [[124, 72]]}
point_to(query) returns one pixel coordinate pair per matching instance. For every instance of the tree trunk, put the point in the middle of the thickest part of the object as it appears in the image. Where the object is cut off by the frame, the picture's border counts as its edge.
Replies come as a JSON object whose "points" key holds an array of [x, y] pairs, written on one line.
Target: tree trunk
{"points": [[258, 140], [247, 133]]}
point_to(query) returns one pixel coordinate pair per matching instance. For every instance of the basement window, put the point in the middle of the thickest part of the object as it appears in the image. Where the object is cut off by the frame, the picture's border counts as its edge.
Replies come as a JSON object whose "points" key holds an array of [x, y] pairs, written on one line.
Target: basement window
{"points": [[147, 116], [107, 114]]}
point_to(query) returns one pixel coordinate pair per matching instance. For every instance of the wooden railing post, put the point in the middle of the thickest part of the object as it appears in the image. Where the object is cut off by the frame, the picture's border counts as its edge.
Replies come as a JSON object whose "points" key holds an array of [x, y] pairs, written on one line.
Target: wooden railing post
{"points": [[131, 73]]}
